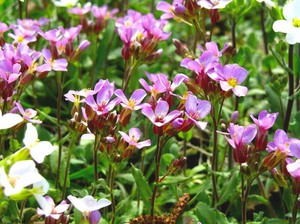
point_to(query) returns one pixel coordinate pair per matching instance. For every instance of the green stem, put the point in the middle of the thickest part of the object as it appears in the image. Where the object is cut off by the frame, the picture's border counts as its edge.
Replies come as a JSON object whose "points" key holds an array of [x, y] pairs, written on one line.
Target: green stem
{"points": [[157, 163], [22, 207], [291, 91], [214, 165], [111, 187], [295, 209], [263, 30], [95, 157], [71, 149], [130, 67], [59, 135]]}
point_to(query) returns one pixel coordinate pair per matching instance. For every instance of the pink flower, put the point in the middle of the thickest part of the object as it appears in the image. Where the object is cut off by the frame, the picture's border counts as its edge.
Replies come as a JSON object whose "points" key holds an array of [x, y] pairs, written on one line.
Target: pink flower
{"points": [[134, 102], [240, 137], [160, 116], [133, 138], [230, 78], [197, 109]]}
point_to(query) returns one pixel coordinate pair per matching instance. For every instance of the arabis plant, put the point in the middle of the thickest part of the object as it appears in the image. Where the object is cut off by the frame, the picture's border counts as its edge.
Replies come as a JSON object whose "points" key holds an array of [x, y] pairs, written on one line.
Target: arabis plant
{"points": [[291, 24]]}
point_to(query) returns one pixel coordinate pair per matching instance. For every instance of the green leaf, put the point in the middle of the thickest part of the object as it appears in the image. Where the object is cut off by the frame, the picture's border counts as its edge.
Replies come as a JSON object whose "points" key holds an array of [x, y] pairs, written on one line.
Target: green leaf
{"points": [[209, 215], [227, 191], [142, 185]]}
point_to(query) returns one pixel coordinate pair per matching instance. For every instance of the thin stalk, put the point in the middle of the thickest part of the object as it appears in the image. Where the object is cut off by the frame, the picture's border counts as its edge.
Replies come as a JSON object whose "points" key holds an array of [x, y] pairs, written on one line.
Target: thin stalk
{"points": [[130, 67], [233, 39], [71, 149], [26, 8], [111, 187], [95, 157], [157, 163], [263, 30], [199, 30], [295, 209], [244, 204], [142, 170], [297, 84], [20, 10], [23, 203], [291, 91], [214, 164], [59, 135]]}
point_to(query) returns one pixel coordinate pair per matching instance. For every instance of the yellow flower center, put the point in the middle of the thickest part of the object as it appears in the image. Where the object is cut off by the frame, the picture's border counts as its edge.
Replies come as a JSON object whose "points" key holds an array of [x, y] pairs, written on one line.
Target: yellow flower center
{"points": [[131, 103], [232, 82], [296, 22], [13, 180], [20, 39]]}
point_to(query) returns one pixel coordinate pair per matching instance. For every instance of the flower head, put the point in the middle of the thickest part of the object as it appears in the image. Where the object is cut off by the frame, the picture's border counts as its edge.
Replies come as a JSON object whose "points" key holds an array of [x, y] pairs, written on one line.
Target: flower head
{"points": [[159, 116], [291, 24], [48, 208], [21, 175], [240, 137], [197, 109], [213, 4], [134, 137], [38, 149], [89, 206]]}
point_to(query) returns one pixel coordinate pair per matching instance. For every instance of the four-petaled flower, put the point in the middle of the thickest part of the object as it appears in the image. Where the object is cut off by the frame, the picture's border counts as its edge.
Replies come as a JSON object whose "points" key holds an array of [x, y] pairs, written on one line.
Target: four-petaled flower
{"points": [[89, 206], [196, 109], [134, 102], [160, 116], [48, 208], [133, 138]]}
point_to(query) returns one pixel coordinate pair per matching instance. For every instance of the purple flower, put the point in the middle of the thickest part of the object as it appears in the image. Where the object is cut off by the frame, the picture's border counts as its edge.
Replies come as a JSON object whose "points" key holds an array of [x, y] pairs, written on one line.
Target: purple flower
{"points": [[133, 138], [265, 120], [294, 169], [80, 11], [230, 77], [240, 137], [196, 109], [170, 11], [52, 64], [103, 103], [53, 36], [8, 71], [212, 47], [283, 144], [134, 102], [160, 116], [28, 114], [22, 35]]}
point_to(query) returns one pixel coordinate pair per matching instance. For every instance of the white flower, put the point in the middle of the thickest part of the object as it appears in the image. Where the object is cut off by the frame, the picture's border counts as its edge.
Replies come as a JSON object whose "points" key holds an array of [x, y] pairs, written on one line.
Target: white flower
{"points": [[22, 174], [88, 204], [290, 26], [9, 120], [269, 3], [48, 207], [38, 149], [65, 3], [213, 4]]}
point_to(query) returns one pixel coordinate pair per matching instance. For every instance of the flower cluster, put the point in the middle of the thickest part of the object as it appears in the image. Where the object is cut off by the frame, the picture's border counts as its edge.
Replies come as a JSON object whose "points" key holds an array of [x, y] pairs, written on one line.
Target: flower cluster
{"points": [[100, 17], [140, 35], [212, 77]]}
